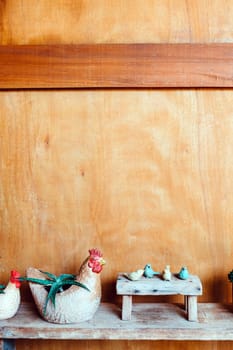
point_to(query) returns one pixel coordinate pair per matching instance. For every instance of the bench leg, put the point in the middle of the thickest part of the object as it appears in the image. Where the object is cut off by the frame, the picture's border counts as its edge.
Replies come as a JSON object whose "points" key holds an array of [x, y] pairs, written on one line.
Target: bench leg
{"points": [[7, 344], [126, 307], [186, 303], [192, 307]]}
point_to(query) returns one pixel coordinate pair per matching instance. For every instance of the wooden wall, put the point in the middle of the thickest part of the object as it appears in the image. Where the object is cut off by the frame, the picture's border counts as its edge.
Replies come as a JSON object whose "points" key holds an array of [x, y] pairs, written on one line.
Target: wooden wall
{"points": [[145, 175]]}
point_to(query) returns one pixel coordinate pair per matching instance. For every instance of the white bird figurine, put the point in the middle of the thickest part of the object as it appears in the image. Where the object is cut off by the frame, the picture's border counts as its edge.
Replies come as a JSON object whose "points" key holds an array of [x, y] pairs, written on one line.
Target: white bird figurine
{"points": [[10, 297], [167, 274], [135, 275]]}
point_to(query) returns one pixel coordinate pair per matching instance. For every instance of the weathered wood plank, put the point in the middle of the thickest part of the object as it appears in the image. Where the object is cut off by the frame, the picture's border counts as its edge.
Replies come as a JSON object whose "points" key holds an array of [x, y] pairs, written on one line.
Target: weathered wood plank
{"points": [[126, 307], [116, 65], [192, 307], [157, 286], [152, 321]]}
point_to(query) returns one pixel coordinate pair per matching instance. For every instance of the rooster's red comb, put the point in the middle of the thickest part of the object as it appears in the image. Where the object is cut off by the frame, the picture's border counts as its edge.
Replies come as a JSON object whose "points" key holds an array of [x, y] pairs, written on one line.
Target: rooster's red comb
{"points": [[95, 253], [15, 274]]}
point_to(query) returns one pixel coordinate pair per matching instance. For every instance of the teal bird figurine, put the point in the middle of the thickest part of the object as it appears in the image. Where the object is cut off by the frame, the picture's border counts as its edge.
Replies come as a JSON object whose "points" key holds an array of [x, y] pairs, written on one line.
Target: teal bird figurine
{"points": [[149, 272], [183, 274]]}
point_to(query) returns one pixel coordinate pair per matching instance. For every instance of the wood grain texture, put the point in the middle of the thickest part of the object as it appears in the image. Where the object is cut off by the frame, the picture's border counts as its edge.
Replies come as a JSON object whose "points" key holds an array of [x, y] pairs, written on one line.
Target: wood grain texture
{"points": [[138, 345], [81, 169], [157, 286], [150, 321], [116, 21], [104, 66], [109, 169]]}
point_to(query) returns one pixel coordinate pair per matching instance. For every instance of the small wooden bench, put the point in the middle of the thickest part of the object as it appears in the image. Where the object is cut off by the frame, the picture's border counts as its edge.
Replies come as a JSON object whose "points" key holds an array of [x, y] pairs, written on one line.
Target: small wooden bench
{"points": [[190, 288]]}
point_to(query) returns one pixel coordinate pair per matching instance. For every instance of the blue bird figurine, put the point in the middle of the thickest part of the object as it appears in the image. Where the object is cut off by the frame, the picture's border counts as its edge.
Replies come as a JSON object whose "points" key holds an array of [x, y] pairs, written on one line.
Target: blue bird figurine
{"points": [[183, 274], [149, 272]]}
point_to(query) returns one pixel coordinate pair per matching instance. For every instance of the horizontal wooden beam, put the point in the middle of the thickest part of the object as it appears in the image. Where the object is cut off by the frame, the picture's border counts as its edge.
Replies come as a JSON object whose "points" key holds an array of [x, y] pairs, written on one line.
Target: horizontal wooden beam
{"points": [[116, 66], [150, 321]]}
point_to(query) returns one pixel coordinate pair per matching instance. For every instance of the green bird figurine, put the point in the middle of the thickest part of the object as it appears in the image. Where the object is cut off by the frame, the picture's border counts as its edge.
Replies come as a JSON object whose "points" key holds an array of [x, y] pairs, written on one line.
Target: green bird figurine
{"points": [[149, 272], [183, 274]]}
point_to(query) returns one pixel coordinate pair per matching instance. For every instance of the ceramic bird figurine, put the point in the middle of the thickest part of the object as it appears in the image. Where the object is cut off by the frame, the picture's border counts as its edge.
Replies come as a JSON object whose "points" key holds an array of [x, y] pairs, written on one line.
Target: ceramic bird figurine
{"points": [[10, 297], [135, 275], [167, 274], [149, 272], [183, 274]]}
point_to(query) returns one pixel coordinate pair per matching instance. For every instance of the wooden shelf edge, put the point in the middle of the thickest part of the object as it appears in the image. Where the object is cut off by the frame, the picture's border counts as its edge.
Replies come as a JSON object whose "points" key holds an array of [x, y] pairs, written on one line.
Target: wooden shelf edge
{"points": [[116, 66], [150, 321]]}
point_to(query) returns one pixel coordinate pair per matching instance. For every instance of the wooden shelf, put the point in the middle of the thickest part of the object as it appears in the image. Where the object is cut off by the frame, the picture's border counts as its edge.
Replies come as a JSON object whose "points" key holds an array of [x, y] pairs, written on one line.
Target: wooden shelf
{"points": [[116, 66], [150, 321]]}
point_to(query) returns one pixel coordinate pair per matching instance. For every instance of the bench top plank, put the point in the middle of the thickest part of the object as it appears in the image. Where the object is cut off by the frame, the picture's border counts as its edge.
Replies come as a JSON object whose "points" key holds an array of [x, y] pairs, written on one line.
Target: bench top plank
{"points": [[157, 286]]}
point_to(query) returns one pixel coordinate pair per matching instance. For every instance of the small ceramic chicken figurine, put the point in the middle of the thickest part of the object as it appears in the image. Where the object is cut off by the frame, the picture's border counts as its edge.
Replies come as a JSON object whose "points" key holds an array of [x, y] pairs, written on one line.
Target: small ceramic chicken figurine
{"points": [[10, 297], [167, 274], [135, 275]]}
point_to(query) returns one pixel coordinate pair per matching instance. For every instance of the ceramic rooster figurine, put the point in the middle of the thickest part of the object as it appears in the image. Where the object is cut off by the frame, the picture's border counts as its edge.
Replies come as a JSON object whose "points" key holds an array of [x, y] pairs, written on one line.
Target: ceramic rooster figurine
{"points": [[74, 304], [10, 297]]}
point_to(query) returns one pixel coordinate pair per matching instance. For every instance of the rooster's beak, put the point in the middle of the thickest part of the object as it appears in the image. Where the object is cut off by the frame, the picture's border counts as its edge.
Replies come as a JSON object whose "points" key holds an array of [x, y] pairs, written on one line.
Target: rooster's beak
{"points": [[102, 261]]}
